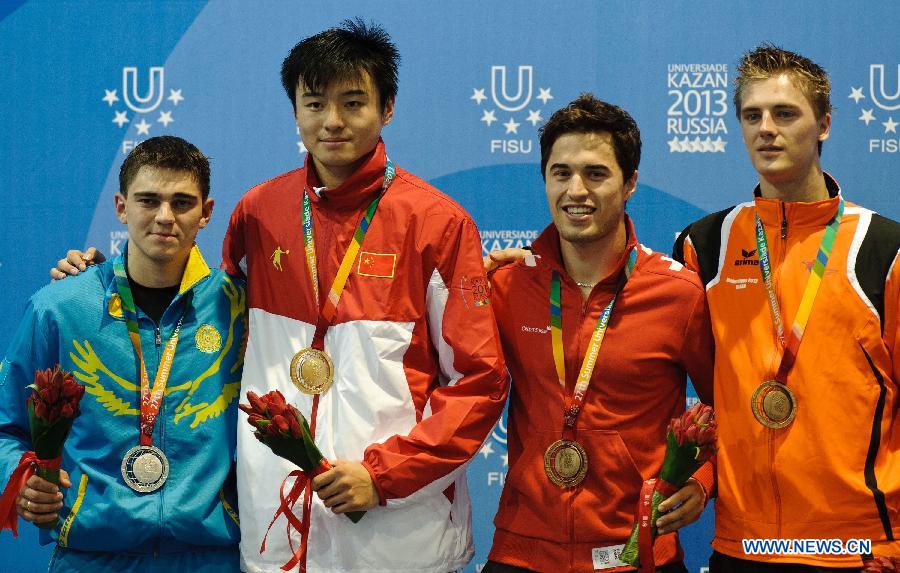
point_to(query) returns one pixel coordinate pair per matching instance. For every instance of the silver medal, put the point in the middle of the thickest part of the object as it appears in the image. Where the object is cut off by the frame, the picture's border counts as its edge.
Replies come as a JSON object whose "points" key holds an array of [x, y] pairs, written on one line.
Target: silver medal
{"points": [[145, 468]]}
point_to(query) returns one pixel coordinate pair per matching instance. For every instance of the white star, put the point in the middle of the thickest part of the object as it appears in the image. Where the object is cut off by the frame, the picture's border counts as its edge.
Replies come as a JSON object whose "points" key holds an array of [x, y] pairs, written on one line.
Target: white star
{"points": [[512, 126], [121, 118], [165, 118], [143, 127], [544, 95], [486, 450], [300, 147], [867, 116], [505, 459], [719, 145], [488, 117], [175, 96], [674, 145], [534, 117], [890, 125], [856, 94], [478, 95], [707, 145], [696, 145], [110, 97]]}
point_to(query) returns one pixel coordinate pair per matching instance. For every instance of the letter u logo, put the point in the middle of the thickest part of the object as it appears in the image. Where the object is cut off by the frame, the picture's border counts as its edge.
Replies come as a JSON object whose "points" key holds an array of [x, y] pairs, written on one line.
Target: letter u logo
{"points": [[879, 96], [523, 91], [499, 432], [149, 102]]}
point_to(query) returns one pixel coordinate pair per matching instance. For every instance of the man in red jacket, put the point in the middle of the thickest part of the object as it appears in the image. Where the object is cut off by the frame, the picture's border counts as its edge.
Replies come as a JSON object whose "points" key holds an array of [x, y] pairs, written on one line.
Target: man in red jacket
{"points": [[575, 474]]}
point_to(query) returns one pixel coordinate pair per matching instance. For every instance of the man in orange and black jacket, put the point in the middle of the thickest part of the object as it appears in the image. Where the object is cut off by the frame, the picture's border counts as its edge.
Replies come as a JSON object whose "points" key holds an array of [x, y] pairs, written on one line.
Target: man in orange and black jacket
{"points": [[805, 376]]}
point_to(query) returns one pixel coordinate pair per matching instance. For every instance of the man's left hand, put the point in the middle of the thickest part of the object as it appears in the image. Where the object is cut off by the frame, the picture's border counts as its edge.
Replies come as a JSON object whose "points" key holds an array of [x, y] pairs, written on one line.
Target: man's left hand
{"points": [[688, 504], [347, 486]]}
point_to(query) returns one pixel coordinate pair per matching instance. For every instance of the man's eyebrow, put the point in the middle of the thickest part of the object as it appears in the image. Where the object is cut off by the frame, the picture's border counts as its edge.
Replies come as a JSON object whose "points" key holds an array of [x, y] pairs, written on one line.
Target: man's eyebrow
{"points": [[356, 92], [559, 166]]}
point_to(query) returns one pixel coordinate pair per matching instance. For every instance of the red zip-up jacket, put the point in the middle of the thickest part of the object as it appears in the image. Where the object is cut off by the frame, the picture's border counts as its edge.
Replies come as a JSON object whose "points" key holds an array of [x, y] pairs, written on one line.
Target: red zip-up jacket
{"points": [[659, 332]]}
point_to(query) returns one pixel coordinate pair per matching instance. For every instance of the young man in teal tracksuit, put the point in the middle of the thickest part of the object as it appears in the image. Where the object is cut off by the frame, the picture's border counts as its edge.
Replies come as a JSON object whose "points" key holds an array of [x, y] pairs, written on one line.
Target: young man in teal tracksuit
{"points": [[115, 511]]}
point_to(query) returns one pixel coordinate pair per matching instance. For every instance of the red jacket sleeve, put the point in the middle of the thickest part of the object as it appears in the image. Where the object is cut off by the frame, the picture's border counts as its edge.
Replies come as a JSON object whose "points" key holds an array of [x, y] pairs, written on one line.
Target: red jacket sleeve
{"points": [[234, 252], [471, 385]]}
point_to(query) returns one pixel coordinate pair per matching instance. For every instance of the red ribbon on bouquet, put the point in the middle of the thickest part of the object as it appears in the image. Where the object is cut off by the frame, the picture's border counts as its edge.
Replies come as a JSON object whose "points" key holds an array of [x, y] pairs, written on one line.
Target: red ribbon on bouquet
{"points": [[302, 483]]}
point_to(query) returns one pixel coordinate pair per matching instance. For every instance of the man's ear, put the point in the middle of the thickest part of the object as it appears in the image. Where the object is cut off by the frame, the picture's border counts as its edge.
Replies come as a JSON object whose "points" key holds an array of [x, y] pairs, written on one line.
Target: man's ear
{"points": [[119, 200]]}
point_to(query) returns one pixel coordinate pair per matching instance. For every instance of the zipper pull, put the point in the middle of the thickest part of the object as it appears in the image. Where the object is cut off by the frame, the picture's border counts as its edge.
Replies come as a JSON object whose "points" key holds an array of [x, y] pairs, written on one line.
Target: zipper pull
{"points": [[783, 222], [158, 338]]}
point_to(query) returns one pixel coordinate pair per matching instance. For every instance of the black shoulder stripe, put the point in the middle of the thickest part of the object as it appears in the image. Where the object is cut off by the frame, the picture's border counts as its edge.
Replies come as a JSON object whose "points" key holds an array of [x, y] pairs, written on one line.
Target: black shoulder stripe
{"points": [[875, 257], [706, 236]]}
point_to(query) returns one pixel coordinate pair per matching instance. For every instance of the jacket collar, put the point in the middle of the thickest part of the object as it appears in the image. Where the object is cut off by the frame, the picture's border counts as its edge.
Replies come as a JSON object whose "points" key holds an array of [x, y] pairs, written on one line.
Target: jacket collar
{"points": [[195, 271], [547, 247], [816, 213], [356, 191]]}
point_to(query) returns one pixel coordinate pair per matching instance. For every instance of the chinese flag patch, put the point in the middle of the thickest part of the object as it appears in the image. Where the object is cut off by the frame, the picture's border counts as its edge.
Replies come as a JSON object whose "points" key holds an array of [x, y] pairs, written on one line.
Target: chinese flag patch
{"points": [[377, 265]]}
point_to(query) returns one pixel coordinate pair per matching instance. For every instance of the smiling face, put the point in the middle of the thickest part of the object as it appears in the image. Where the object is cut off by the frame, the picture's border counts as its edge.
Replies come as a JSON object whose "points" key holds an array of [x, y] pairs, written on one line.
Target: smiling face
{"points": [[586, 189], [340, 125], [781, 131], [164, 210]]}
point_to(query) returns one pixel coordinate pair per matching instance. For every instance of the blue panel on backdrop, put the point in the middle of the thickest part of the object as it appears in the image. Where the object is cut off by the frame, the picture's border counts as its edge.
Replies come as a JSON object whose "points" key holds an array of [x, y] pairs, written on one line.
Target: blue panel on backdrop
{"points": [[83, 82]]}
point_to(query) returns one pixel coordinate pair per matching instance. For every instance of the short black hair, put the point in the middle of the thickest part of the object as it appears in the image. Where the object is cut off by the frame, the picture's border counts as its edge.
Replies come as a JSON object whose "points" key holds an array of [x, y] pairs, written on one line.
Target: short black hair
{"points": [[166, 152], [587, 114], [340, 54]]}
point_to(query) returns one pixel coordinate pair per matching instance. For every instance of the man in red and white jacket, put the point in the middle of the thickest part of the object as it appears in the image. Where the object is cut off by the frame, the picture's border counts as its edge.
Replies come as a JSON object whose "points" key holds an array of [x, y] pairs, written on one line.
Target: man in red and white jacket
{"points": [[570, 496], [419, 380]]}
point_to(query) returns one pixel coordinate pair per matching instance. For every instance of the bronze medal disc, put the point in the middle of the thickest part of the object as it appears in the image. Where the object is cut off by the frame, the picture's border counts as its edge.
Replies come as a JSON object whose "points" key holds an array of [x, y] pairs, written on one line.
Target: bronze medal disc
{"points": [[773, 405], [145, 468], [565, 463], [312, 371]]}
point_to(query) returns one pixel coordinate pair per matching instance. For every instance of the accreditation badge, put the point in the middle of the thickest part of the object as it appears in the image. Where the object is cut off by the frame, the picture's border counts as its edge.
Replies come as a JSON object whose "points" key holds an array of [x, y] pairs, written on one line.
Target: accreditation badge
{"points": [[312, 371], [565, 463], [145, 468], [773, 405]]}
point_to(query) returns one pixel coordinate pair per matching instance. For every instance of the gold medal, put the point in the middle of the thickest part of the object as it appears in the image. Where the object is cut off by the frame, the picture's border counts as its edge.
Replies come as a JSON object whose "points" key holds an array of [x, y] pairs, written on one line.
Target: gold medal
{"points": [[774, 405], [565, 463], [312, 371]]}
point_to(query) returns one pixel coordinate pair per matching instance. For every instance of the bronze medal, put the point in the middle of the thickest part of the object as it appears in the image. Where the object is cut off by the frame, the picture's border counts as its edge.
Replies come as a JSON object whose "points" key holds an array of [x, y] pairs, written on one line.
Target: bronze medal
{"points": [[774, 405], [312, 371], [565, 463], [145, 468]]}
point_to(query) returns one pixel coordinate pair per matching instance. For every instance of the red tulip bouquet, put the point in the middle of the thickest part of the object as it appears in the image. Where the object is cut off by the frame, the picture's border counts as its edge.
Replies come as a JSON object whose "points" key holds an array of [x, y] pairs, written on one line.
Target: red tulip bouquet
{"points": [[882, 565], [690, 442], [285, 430], [52, 408]]}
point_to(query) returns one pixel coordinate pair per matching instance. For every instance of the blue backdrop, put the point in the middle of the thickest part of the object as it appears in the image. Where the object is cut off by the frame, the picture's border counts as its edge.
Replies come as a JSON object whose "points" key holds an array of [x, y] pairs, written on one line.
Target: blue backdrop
{"points": [[82, 83]]}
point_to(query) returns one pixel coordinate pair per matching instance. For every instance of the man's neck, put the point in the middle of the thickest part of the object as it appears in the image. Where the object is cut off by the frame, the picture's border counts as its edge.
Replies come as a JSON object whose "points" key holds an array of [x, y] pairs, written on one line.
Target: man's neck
{"points": [[155, 274], [807, 189], [589, 263]]}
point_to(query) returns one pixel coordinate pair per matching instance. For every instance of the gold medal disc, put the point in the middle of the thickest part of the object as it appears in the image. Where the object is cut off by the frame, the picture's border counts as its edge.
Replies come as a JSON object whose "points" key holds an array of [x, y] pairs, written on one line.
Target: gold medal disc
{"points": [[565, 463], [312, 371], [773, 405]]}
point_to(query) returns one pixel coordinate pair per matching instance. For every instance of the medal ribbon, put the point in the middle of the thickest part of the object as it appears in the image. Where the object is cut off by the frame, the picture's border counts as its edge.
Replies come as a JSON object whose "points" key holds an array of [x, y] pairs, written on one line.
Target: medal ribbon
{"points": [[792, 344], [328, 307], [573, 403], [151, 398]]}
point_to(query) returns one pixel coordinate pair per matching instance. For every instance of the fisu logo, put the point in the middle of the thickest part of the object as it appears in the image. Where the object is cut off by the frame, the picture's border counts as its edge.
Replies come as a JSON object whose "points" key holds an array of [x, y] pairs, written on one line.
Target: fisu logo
{"points": [[142, 94], [887, 102], [153, 97], [521, 99], [512, 91]]}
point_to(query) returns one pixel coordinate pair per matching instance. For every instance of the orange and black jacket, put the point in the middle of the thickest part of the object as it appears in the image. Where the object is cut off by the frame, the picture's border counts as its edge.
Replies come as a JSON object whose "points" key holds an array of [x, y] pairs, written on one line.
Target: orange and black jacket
{"points": [[834, 472]]}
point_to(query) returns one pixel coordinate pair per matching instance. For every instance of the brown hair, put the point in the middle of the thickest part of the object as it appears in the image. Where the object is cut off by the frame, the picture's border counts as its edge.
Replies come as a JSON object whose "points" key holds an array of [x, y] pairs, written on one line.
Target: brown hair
{"points": [[166, 152], [587, 114]]}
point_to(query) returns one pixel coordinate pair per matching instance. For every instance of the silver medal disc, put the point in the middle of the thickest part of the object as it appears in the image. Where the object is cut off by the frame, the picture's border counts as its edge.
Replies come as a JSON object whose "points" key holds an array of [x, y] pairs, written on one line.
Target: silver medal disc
{"points": [[145, 468]]}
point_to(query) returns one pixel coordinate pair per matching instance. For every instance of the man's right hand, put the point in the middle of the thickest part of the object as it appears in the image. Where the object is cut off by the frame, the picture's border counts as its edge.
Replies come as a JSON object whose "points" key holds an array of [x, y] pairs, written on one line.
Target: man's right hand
{"points": [[75, 262], [39, 500]]}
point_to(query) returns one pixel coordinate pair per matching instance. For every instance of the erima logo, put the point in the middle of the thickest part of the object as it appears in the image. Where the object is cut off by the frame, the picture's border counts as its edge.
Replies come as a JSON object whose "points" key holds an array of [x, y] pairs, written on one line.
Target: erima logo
{"points": [[746, 259]]}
